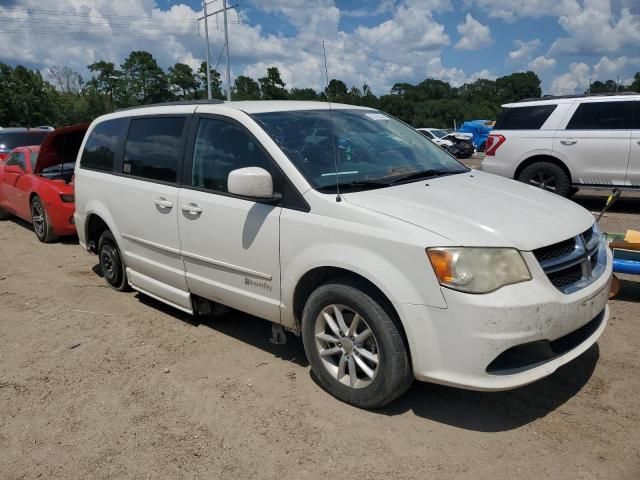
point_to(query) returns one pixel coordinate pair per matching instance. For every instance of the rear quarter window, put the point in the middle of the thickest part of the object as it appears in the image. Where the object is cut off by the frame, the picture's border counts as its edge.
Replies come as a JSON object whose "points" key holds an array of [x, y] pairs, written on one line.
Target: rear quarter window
{"points": [[100, 149], [602, 116], [524, 118]]}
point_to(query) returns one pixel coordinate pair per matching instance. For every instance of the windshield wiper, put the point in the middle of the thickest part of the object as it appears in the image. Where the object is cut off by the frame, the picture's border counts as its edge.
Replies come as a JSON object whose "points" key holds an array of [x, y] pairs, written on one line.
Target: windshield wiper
{"points": [[431, 173], [356, 184]]}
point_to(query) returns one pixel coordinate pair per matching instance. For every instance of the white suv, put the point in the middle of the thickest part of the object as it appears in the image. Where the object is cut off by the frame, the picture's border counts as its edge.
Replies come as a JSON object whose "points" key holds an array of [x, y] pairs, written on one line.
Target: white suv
{"points": [[565, 143], [390, 258]]}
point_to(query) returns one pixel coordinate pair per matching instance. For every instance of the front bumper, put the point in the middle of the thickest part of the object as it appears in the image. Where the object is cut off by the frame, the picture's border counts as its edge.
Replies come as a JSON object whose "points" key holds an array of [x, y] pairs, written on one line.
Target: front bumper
{"points": [[456, 345]]}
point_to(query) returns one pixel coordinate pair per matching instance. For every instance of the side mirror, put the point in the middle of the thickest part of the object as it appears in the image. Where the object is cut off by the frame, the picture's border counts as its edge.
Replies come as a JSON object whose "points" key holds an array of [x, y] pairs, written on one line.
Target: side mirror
{"points": [[251, 182]]}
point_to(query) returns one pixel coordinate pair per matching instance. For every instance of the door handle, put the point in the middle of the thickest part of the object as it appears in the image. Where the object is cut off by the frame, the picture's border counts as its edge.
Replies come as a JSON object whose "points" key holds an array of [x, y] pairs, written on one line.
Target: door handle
{"points": [[568, 142], [163, 203], [191, 208]]}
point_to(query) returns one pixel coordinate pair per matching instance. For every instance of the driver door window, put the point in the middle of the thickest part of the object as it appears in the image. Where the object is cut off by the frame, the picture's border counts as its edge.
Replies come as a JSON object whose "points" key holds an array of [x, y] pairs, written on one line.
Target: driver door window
{"points": [[221, 147], [18, 159]]}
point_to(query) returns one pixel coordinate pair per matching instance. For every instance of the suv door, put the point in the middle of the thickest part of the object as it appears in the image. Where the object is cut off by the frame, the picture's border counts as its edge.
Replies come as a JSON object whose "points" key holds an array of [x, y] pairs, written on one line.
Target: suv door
{"points": [[633, 175], [596, 141], [230, 245], [145, 207]]}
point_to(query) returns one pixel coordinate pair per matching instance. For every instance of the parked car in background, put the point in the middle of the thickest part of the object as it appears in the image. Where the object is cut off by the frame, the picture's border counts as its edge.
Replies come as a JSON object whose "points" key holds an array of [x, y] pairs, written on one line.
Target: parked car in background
{"points": [[436, 136], [35, 183], [457, 144], [11, 138], [289, 211], [561, 144]]}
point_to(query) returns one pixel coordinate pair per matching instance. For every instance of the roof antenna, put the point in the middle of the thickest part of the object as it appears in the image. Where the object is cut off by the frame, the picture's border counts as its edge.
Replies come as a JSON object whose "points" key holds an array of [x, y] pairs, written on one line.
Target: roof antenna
{"points": [[333, 141]]}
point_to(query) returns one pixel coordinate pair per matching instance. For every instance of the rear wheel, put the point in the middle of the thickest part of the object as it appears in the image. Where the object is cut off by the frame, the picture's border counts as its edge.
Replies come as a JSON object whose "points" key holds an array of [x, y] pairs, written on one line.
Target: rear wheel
{"points": [[3, 214], [40, 220], [355, 348], [548, 176], [111, 262]]}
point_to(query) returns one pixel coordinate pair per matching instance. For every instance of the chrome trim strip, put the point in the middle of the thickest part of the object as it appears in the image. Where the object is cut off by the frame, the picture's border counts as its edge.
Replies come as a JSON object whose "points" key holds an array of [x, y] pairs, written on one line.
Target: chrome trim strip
{"points": [[175, 251], [228, 266]]}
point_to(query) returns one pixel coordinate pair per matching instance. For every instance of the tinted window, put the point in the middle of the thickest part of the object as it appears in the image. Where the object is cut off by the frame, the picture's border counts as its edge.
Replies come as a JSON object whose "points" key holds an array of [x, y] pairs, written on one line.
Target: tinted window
{"points": [[100, 150], [427, 134], [523, 118], [601, 116], [636, 115], [153, 148], [17, 158], [221, 147], [11, 140]]}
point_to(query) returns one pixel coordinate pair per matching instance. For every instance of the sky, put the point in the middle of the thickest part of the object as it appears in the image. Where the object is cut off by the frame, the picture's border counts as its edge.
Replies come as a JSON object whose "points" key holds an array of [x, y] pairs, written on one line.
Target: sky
{"points": [[378, 42]]}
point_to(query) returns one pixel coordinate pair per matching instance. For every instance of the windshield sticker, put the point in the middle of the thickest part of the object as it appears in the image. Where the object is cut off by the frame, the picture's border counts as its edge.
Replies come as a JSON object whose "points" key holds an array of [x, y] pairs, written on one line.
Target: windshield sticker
{"points": [[377, 116]]}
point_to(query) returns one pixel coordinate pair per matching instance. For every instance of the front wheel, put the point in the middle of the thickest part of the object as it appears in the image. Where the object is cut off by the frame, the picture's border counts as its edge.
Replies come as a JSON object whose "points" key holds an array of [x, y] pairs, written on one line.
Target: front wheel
{"points": [[355, 348], [111, 263], [547, 176], [40, 220]]}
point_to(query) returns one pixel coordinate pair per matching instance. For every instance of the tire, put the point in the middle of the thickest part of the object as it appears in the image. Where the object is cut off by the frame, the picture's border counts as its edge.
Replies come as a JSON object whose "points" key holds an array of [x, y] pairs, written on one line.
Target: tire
{"points": [[41, 223], [548, 176], [377, 384], [4, 214], [112, 265]]}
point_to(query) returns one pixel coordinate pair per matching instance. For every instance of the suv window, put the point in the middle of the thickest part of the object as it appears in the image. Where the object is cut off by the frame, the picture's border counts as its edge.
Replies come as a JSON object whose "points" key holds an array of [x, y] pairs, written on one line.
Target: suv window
{"points": [[523, 118], [19, 159], [602, 116], [153, 149], [100, 150], [11, 140], [220, 148]]}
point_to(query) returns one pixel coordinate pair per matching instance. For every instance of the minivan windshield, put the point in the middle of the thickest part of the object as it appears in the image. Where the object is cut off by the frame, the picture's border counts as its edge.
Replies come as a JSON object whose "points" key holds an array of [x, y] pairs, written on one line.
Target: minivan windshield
{"points": [[361, 148]]}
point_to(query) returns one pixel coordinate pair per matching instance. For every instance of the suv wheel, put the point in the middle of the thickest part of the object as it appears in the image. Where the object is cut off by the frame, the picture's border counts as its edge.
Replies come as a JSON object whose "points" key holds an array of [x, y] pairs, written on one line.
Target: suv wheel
{"points": [[111, 263], [548, 176], [40, 220], [354, 347]]}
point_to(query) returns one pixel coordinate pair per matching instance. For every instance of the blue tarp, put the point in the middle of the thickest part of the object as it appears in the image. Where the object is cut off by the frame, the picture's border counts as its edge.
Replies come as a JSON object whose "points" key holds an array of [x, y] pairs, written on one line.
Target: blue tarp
{"points": [[479, 129]]}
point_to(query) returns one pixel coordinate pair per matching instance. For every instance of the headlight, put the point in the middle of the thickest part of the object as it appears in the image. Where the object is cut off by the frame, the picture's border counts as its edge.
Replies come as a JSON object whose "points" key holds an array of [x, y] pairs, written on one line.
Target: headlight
{"points": [[478, 270]]}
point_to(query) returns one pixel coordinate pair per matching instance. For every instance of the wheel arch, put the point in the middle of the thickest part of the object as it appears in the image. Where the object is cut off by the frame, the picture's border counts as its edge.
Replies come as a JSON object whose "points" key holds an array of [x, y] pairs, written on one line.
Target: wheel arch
{"points": [[317, 276], [542, 158]]}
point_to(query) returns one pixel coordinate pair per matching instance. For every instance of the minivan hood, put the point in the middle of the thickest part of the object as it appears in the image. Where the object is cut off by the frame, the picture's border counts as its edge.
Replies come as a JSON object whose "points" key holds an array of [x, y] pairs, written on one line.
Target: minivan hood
{"points": [[480, 209]]}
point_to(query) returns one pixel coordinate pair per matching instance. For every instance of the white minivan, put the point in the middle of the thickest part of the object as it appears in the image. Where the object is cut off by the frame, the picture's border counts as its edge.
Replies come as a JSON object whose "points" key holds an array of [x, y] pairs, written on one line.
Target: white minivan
{"points": [[391, 259]]}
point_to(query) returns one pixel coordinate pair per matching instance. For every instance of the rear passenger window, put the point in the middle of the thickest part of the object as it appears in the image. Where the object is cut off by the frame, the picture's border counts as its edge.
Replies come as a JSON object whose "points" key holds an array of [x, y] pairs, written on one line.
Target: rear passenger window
{"points": [[154, 148], [100, 149], [220, 148], [524, 118], [602, 116]]}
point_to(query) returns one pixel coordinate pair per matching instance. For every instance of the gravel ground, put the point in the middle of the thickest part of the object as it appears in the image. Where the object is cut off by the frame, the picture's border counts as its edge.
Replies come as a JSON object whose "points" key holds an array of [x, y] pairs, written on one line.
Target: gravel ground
{"points": [[96, 384]]}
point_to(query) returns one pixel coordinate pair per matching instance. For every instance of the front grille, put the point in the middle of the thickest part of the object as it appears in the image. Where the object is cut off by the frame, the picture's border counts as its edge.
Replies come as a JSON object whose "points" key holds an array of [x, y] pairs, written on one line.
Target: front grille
{"points": [[574, 263]]}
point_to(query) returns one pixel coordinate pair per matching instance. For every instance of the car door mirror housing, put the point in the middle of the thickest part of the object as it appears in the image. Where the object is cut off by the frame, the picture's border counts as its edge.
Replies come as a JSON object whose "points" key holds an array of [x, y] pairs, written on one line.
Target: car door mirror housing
{"points": [[251, 182]]}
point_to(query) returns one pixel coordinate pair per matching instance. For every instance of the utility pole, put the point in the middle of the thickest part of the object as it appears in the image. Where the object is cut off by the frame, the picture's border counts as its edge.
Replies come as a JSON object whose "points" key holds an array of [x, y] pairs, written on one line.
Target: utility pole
{"points": [[206, 38], [226, 43]]}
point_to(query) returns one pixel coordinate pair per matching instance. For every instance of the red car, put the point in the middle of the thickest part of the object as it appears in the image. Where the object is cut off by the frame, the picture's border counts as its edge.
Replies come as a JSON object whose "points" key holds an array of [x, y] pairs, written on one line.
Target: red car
{"points": [[36, 183]]}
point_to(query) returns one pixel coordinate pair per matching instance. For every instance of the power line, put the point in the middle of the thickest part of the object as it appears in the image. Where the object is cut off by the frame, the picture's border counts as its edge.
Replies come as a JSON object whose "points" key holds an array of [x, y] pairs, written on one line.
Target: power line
{"points": [[31, 11]]}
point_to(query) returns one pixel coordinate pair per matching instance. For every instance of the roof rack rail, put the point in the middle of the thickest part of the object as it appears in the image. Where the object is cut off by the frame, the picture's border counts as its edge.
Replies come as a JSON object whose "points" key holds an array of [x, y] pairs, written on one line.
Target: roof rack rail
{"points": [[177, 102], [583, 95]]}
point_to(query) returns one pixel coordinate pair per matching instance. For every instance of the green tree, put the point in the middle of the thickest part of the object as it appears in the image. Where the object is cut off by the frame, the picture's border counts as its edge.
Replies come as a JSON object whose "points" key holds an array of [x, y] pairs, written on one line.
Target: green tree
{"points": [[272, 86], [27, 99], [635, 85], [518, 86], [246, 88], [303, 94], [145, 81], [106, 79], [336, 90], [216, 83], [182, 79]]}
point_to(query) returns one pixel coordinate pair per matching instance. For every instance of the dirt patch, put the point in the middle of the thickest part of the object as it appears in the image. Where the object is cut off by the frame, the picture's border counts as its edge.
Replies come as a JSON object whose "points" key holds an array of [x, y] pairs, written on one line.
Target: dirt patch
{"points": [[105, 385]]}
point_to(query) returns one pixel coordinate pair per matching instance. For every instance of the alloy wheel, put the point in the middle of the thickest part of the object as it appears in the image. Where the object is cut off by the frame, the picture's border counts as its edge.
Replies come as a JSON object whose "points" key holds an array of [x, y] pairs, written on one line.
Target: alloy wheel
{"points": [[347, 346], [544, 180], [38, 217]]}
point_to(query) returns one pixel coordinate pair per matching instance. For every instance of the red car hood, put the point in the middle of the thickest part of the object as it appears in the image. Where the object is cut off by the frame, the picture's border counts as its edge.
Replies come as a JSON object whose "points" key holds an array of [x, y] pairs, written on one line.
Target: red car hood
{"points": [[60, 146]]}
